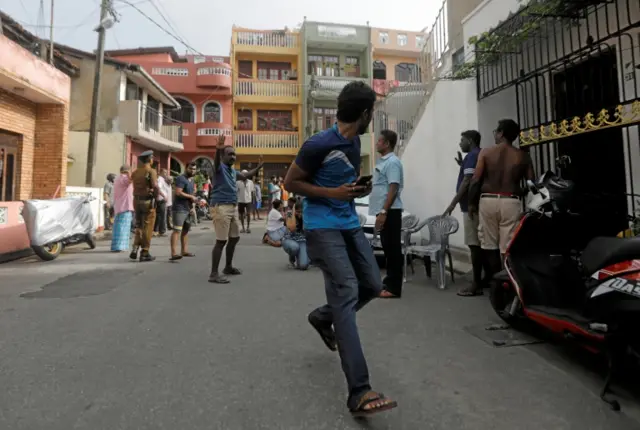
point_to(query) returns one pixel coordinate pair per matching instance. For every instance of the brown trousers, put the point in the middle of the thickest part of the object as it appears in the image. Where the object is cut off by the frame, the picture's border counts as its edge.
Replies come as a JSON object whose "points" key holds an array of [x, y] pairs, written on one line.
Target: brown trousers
{"points": [[145, 221]]}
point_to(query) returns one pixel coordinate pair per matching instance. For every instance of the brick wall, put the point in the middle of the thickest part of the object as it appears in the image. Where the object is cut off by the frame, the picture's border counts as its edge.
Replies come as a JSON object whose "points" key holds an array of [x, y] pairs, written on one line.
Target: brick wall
{"points": [[18, 115], [42, 153], [51, 149]]}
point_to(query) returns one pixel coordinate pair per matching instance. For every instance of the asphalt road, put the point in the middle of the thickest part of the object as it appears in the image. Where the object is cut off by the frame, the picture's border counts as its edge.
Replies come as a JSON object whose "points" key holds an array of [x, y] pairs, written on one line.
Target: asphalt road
{"points": [[93, 341]]}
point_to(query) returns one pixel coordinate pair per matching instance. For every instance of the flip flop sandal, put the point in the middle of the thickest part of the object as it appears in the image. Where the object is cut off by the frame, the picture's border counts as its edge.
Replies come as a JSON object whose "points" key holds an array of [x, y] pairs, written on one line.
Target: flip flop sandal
{"points": [[327, 335], [372, 397], [232, 271], [175, 258], [387, 295], [218, 280], [470, 293], [188, 254]]}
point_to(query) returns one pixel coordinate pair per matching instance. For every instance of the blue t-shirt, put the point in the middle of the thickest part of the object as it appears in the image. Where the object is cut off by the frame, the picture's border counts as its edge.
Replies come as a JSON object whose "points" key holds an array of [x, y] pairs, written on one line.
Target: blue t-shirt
{"points": [[225, 189], [181, 204], [468, 167], [331, 161]]}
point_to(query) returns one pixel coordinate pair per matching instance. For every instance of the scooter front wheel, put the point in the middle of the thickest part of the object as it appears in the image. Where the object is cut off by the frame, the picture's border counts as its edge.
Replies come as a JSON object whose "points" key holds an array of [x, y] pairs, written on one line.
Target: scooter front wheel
{"points": [[48, 252]]}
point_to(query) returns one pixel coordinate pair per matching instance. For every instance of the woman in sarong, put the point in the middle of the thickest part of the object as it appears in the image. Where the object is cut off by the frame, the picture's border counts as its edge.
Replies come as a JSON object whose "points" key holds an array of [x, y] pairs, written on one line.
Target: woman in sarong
{"points": [[123, 209]]}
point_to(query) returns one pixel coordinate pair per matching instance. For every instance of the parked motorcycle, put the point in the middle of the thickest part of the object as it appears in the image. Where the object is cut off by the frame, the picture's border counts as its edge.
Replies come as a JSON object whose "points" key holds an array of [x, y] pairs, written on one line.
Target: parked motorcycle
{"points": [[57, 223], [202, 207], [584, 289]]}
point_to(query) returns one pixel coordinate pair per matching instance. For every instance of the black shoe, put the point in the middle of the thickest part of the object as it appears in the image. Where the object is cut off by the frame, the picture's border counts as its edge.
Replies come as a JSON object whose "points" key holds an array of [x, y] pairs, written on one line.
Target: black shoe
{"points": [[327, 334], [134, 254], [146, 257]]}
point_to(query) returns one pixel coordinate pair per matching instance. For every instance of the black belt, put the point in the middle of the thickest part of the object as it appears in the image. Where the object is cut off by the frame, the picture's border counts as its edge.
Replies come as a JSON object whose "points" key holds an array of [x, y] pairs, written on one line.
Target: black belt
{"points": [[143, 198], [499, 196]]}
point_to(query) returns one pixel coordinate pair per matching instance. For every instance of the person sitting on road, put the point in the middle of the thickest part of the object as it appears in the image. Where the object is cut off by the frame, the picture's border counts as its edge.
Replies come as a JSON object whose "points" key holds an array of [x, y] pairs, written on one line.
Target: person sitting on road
{"points": [[294, 242], [275, 226]]}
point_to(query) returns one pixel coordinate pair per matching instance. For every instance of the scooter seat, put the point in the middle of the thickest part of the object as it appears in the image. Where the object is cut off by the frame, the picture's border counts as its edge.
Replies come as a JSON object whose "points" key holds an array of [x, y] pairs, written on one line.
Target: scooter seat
{"points": [[605, 251]]}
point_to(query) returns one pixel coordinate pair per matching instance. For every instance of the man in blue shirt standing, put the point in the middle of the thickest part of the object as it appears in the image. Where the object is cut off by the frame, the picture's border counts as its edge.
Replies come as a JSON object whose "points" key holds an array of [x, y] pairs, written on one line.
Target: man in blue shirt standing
{"points": [[224, 209], [470, 145], [326, 171], [181, 208], [386, 205]]}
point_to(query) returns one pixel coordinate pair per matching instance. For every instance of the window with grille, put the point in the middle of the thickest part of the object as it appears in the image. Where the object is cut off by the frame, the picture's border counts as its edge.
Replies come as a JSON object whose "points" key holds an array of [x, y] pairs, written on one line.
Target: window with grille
{"points": [[212, 113], [402, 40], [352, 66], [275, 120], [383, 37]]}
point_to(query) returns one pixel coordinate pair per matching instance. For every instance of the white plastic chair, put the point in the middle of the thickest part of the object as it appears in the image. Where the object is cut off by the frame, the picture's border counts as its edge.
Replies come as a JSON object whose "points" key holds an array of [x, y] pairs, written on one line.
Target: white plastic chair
{"points": [[437, 247]]}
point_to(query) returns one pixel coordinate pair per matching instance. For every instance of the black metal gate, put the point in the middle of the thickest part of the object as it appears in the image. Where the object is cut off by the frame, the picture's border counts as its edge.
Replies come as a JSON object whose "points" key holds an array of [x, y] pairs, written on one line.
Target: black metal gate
{"points": [[574, 65]]}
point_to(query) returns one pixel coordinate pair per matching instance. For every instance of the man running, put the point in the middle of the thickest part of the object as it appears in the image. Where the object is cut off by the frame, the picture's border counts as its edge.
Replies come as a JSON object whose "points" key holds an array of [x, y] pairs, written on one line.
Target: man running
{"points": [[224, 209], [325, 172], [184, 200], [496, 189]]}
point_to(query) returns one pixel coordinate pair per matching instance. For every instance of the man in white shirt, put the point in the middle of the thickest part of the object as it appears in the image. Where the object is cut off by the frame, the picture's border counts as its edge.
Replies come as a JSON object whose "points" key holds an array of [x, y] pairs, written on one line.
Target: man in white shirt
{"points": [[245, 190], [275, 226], [163, 203]]}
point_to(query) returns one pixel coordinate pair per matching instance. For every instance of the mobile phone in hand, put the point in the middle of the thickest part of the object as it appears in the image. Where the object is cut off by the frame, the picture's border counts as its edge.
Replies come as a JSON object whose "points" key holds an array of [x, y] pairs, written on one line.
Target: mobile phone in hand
{"points": [[364, 180]]}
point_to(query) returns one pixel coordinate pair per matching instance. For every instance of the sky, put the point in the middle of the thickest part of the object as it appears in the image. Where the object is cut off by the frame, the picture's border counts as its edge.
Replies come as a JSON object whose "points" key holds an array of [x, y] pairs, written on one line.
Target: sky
{"points": [[205, 25]]}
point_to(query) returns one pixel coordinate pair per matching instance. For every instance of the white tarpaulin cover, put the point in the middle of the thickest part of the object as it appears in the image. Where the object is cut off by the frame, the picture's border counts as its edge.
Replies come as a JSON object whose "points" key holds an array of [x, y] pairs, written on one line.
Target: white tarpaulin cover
{"points": [[50, 221]]}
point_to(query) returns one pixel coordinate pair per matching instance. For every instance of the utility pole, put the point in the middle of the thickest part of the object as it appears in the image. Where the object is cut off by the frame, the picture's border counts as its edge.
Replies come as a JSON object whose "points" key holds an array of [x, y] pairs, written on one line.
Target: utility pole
{"points": [[51, 36], [95, 104]]}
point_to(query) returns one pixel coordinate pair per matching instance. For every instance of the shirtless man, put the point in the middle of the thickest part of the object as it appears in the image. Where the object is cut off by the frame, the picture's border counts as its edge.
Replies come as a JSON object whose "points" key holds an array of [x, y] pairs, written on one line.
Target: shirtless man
{"points": [[496, 191]]}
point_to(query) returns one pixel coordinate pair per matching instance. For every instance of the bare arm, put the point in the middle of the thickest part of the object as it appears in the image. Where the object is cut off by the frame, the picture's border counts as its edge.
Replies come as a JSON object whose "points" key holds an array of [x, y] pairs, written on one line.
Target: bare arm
{"points": [[154, 185], [530, 172], [462, 191], [475, 186], [251, 173], [297, 181], [291, 221], [219, 148], [391, 196]]}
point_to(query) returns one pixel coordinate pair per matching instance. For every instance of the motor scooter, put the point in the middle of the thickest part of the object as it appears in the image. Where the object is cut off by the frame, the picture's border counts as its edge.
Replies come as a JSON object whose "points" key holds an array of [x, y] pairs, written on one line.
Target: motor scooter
{"points": [[54, 224], [555, 276]]}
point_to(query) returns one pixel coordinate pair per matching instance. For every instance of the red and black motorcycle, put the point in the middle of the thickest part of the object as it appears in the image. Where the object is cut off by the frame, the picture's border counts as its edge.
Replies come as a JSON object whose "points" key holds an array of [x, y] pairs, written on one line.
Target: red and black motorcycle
{"points": [[584, 289]]}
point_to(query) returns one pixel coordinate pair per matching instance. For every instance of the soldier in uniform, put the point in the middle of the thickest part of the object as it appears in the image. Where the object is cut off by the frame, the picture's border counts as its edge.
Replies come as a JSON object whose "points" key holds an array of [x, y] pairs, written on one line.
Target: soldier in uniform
{"points": [[145, 192]]}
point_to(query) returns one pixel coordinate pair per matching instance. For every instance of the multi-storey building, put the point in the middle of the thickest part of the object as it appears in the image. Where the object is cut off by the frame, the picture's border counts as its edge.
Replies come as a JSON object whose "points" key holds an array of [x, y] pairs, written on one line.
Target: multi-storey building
{"points": [[267, 97], [202, 87], [133, 117], [333, 55]]}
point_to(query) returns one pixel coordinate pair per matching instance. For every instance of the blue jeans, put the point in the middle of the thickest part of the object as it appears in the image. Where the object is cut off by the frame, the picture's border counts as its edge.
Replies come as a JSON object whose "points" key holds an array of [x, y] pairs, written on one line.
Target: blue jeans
{"points": [[297, 252], [351, 279]]}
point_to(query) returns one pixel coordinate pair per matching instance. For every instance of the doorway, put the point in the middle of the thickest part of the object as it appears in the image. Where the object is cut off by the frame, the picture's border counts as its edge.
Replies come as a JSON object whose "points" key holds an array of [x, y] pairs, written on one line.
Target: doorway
{"points": [[8, 165], [597, 158]]}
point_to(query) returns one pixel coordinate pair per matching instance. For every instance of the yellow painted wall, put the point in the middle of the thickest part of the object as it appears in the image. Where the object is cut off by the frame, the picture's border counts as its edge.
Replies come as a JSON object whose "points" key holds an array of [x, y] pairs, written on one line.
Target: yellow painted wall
{"points": [[391, 62]]}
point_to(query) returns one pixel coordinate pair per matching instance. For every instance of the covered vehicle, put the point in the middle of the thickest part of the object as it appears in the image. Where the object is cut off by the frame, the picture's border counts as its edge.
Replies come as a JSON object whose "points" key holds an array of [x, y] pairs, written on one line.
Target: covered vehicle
{"points": [[56, 223]]}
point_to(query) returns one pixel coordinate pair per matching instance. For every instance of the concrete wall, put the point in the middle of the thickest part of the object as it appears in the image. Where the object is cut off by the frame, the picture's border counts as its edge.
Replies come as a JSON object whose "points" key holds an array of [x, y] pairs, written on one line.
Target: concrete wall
{"points": [[82, 95], [430, 170], [111, 154], [32, 71], [350, 34]]}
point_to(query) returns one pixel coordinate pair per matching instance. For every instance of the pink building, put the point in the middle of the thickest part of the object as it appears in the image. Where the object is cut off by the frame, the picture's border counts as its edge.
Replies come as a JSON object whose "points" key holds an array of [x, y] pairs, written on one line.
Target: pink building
{"points": [[202, 86]]}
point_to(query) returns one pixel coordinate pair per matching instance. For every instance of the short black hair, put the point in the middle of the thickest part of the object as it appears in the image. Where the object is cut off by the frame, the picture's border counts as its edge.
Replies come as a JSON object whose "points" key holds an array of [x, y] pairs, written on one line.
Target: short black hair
{"points": [[192, 164], [355, 98], [391, 137], [473, 135], [292, 199], [276, 204], [509, 128]]}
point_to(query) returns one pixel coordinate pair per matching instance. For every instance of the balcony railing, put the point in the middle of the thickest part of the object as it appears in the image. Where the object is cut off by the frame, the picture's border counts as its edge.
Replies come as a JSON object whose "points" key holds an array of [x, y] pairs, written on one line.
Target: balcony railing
{"points": [[266, 140], [153, 122], [213, 132], [263, 88], [214, 71], [267, 38]]}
